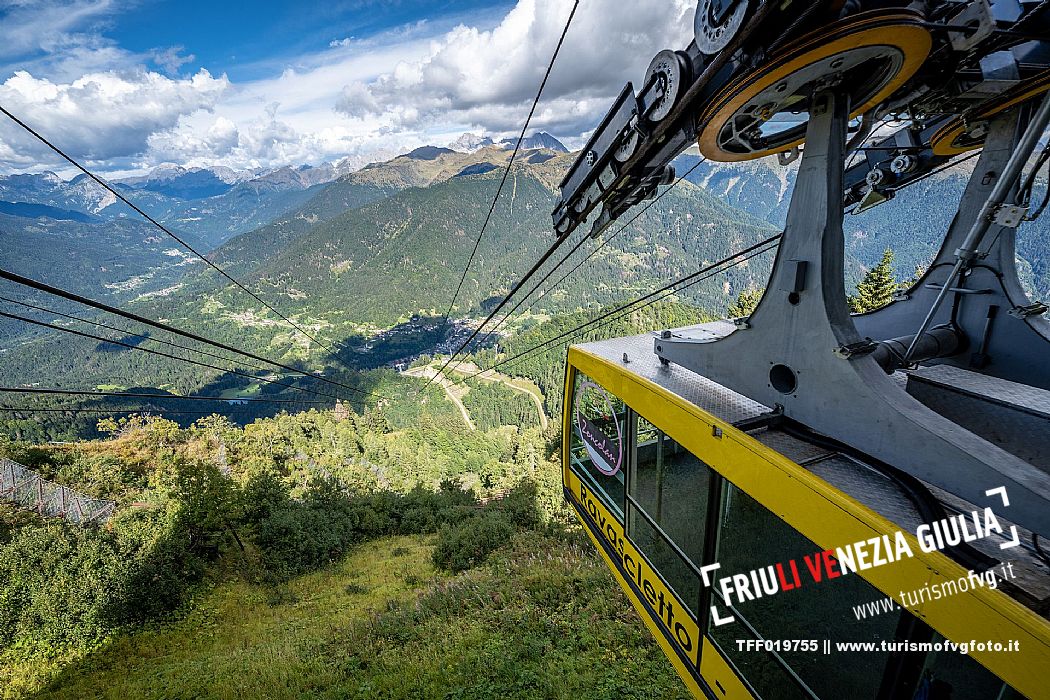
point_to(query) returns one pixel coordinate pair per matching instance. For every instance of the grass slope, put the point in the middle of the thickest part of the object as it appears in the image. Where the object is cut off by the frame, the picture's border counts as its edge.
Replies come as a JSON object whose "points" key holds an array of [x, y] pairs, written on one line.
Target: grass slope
{"points": [[543, 619]]}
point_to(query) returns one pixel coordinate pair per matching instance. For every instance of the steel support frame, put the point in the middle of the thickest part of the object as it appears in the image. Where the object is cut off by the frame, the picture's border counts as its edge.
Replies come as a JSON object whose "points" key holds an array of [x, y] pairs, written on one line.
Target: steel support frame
{"points": [[1012, 346], [817, 370]]}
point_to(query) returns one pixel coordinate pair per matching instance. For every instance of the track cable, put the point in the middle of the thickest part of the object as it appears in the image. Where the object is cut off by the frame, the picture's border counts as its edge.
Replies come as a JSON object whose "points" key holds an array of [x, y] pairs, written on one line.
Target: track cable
{"points": [[604, 243], [129, 346], [112, 190], [80, 299], [513, 156], [658, 295]]}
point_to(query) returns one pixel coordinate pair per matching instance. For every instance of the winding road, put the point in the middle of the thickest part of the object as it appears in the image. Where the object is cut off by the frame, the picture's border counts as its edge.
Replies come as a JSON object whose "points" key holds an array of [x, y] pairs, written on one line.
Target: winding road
{"points": [[451, 391], [455, 392]]}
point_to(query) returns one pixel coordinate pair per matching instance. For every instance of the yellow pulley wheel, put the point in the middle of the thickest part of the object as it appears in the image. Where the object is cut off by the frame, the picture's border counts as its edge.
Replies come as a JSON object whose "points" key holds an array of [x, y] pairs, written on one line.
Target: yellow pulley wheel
{"points": [[868, 57], [966, 134]]}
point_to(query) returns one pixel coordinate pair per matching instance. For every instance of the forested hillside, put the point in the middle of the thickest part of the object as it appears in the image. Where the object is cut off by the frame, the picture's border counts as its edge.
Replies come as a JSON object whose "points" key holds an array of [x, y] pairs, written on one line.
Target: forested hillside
{"points": [[375, 248], [120, 260], [341, 197]]}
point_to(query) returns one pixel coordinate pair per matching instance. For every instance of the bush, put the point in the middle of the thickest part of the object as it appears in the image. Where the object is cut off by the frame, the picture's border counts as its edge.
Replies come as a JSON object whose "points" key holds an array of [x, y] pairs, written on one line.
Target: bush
{"points": [[519, 506], [298, 536], [295, 538], [58, 587], [66, 587], [261, 494], [469, 543], [158, 566]]}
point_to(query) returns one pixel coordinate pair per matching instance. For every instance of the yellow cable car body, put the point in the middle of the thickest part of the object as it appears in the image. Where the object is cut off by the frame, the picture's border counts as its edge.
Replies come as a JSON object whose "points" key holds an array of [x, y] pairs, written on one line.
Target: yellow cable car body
{"points": [[747, 481]]}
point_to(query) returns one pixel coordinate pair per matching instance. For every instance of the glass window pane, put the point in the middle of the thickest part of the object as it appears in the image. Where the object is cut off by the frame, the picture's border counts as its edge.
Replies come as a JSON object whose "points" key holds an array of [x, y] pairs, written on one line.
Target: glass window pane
{"points": [[760, 668], [949, 674], [751, 537], [598, 445], [672, 486], [665, 561]]}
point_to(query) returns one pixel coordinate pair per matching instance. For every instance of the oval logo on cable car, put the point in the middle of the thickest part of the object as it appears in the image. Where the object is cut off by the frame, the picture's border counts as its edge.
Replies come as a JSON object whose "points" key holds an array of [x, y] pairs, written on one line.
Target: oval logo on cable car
{"points": [[605, 450]]}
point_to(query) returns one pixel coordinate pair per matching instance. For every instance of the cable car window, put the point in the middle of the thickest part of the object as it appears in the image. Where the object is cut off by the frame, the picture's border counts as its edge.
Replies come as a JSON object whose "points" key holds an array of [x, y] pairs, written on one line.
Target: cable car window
{"points": [[672, 569], [765, 673], [753, 538], [949, 674], [599, 445], [672, 486]]}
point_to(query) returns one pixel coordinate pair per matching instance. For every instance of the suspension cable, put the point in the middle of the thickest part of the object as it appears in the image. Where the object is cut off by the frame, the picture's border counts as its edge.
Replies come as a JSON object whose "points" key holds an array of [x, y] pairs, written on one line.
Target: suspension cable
{"points": [[540, 262], [104, 411], [56, 291], [506, 316], [592, 253], [73, 331], [513, 155], [112, 190], [124, 331], [142, 395], [687, 281]]}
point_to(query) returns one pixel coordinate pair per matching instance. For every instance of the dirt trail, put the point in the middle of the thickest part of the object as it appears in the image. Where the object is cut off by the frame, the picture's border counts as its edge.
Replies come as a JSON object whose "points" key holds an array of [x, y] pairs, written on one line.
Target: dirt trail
{"points": [[451, 390], [456, 391], [531, 389]]}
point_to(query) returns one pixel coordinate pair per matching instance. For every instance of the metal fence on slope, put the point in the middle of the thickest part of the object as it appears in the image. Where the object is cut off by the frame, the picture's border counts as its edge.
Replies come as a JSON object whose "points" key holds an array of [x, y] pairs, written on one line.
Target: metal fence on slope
{"points": [[27, 489]]}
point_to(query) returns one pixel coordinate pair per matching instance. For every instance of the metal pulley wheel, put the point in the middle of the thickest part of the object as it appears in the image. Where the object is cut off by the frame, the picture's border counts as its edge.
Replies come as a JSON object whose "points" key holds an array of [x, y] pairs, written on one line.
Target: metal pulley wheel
{"points": [[966, 134], [670, 69], [628, 145], [713, 28], [766, 111]]}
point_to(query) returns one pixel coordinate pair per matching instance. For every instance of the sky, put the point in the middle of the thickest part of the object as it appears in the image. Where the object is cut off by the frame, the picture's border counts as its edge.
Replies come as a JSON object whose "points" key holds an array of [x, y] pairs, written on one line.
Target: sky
{"points": [[126, 85]]}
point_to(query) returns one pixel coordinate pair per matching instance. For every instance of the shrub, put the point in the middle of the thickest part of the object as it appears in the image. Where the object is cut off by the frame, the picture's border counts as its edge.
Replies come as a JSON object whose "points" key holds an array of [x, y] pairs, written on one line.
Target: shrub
{"points": [[295, 538], [262, 493], [58, 586], [519, 506], [468, 544], [67, 587]]}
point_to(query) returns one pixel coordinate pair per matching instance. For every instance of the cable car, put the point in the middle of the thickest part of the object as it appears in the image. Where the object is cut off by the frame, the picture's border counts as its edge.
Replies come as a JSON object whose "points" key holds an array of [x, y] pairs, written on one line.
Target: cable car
{"points": [[806, 503], [694, 474]]}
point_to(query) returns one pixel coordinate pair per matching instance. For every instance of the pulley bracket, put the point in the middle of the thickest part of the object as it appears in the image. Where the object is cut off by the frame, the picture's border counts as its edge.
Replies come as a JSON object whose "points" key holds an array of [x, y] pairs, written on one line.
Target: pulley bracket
{"points": [[797, 339]]}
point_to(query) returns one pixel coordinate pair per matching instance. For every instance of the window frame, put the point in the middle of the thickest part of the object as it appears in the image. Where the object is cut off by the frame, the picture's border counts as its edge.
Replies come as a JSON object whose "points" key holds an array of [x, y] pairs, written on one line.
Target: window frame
{"points": [[574, 375]]}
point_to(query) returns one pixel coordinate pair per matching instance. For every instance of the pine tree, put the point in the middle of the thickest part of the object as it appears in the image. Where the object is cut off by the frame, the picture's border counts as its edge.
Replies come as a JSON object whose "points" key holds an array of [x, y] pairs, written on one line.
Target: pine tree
{"points": [[877, 288], [745, 303]]}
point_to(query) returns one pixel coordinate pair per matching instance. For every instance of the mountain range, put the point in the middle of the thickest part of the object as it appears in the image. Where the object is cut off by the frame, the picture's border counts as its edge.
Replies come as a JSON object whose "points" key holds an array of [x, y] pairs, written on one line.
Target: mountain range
{"points": [[376, 248], [468, 143]]}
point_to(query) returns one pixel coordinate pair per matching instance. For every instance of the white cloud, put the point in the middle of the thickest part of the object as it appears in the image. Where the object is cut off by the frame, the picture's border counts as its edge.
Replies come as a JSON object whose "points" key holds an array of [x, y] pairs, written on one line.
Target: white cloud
{"points": [[487, 79], [421, 83], [171, 59], [266, 142], [102, 116], [32, 25]]}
